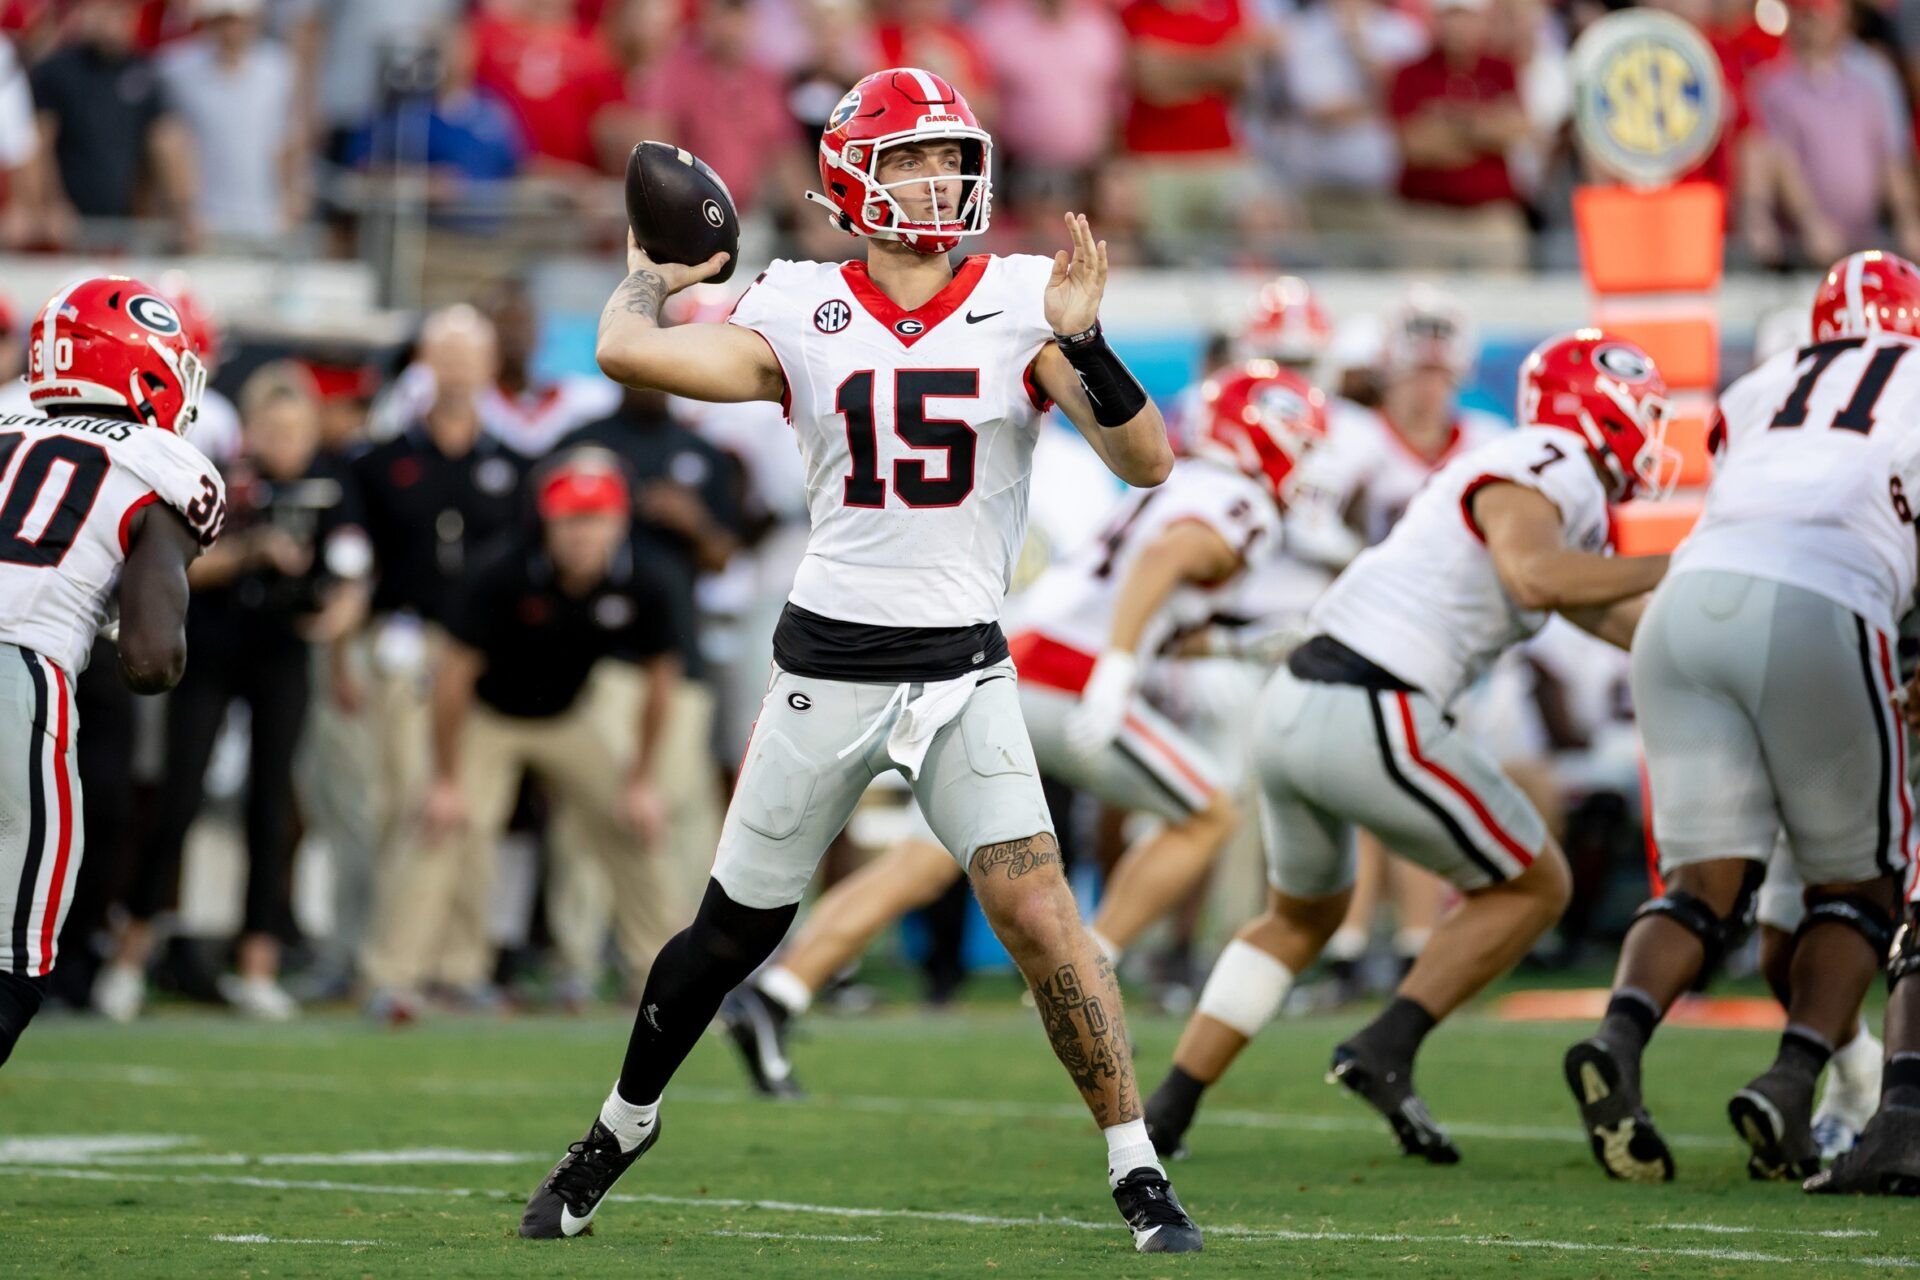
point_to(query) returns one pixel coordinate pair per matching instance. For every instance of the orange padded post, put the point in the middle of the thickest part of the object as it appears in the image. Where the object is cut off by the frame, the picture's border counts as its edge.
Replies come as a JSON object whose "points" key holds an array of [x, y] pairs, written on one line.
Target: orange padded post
{"points": [[1666, 240]]}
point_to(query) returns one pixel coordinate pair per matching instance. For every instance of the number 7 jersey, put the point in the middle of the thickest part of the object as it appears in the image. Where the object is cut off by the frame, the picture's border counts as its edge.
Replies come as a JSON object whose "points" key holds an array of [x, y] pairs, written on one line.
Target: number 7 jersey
{"points": [[917, 431], [1818, 458], [69, 489]]}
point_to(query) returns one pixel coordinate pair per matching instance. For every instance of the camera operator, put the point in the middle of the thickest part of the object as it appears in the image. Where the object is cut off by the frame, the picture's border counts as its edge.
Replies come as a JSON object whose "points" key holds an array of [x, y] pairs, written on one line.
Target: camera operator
{"points": [[291, 575], [522, 685]]}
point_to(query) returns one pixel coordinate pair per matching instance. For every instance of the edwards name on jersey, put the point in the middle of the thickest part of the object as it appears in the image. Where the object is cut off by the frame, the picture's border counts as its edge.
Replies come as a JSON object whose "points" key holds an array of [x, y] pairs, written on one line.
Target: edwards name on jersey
{"points": [[917, 429], [69, 489]]}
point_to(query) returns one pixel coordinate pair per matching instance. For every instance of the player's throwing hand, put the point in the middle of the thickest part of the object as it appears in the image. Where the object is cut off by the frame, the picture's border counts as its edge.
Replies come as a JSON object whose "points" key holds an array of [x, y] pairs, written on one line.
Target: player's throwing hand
{"points": [[1078, 280], [677, 277]]}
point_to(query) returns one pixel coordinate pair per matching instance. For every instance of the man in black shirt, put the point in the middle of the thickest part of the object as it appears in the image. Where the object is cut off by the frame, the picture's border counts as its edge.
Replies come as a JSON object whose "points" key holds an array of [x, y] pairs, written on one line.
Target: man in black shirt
{"points": [[517, 689], [433, 496], [687, 524]]}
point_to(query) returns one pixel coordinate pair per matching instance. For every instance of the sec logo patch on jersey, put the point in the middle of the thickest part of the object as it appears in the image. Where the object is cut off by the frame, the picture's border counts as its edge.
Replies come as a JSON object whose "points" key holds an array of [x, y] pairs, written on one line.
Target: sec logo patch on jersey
{"points": [[832, 316]]}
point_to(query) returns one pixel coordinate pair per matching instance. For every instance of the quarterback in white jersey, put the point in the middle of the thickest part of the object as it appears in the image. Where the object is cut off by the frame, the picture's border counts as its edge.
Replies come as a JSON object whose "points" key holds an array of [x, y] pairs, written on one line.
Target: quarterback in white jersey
{"points": [[1767, 691], [915, 390], [1354, 731], [102, 507]]}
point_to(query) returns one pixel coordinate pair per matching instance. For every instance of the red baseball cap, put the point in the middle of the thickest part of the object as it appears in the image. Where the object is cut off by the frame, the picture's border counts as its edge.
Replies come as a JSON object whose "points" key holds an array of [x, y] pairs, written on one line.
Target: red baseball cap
{"points": [[588, 483]]}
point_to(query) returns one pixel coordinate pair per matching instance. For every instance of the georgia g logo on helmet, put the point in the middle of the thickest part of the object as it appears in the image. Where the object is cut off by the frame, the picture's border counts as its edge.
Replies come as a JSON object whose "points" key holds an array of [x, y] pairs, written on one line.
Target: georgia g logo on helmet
{"points": [[154, 313]]}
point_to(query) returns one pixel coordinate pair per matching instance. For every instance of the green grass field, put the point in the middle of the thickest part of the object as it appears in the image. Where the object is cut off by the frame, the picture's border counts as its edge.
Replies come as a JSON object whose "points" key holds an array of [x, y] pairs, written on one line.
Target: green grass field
{"points": [[933, 1145]]}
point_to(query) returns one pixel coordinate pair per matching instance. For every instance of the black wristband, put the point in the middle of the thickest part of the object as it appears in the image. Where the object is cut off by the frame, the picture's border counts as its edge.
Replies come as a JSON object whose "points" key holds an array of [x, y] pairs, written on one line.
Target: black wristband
{"points": [[1116, 394]]}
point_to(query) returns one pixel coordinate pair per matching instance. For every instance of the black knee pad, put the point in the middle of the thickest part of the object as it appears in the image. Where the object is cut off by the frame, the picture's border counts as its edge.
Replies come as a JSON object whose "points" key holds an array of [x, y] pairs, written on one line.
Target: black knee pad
{"points": [[19, 1001], [1718, 934], [1905, 959], [732, 935], [1863, 915]]}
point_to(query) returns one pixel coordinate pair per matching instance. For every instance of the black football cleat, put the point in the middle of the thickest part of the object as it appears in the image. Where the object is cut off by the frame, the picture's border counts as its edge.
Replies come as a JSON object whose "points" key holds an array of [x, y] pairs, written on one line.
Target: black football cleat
{"points": [[1387, 1087], [1154, 1215], [569, 1196], [1885, 1162], [1774, 1114], [757, 1025], [1614, 1119]]}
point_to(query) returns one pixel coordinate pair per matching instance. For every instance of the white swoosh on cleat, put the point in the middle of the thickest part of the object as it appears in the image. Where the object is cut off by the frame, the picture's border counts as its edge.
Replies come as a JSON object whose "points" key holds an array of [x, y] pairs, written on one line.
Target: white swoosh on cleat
{"points": [[572, 1226], [1140, 1238]]}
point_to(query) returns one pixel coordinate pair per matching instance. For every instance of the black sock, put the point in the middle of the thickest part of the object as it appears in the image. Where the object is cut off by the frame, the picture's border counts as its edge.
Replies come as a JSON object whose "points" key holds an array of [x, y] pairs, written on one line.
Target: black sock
{"points": [[19, 1001], [1900, 1083], [1399, 1029], [690, 976], [1631, 1018], [1803, 1051], [1177, 1098]]}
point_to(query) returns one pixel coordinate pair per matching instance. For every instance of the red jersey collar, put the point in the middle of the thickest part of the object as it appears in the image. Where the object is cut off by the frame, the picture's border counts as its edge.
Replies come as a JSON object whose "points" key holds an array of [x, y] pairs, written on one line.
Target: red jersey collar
{"points": [[911, 326], [1399, 438]]}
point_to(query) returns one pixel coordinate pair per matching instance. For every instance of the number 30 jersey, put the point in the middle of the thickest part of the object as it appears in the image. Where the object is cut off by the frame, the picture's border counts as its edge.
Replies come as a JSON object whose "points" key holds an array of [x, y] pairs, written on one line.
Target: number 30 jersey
{"points": [[69, 489], [1819, 458], [917, 431], [1427, 604]]}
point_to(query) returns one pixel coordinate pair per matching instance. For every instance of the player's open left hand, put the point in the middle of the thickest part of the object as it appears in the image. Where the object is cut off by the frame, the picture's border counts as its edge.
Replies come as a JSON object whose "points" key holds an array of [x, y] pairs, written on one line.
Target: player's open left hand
{"points": [[1079, 278], [673, 274]]}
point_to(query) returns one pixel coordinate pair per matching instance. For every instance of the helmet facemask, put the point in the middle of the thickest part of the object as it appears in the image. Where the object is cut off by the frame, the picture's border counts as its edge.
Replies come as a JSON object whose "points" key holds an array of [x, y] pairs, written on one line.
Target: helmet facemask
{"points": [[1654, 469], [883, 217]]}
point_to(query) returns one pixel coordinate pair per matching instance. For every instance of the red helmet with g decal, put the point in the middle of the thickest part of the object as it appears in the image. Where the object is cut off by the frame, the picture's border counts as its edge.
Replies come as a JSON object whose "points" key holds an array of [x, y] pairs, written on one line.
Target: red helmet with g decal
{"points": [[112, 341], [1260, 418], [1285, 324], [893, 108], [1608, 392], [1864, 293]]}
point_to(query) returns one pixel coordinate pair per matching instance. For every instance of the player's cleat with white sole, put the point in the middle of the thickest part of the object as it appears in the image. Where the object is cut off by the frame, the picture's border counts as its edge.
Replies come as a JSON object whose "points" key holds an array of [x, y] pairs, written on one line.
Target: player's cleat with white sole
{"points": [[1617, 1125], [1885, 1162], [1387, 1087], [757, 1026], [1846, 1105], [566, 1200], [1154, 1215], [1774, 1116]]}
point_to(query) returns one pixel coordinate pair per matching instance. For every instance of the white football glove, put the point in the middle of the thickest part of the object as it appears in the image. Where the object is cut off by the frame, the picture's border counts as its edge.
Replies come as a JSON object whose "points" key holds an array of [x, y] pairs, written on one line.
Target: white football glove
{"points": [[1093, 724]]}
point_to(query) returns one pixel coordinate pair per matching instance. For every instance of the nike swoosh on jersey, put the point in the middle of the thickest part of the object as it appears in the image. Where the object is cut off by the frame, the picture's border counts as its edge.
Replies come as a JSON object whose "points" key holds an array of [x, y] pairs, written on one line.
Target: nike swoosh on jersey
{"points": [[974, 319]]}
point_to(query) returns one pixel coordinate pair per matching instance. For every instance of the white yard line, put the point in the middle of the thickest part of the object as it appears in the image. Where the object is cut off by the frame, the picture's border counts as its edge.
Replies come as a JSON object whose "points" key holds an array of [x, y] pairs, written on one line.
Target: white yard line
{"points": [[985, 1220], [795, 1235], [286, 1240], [1716, 1228]]}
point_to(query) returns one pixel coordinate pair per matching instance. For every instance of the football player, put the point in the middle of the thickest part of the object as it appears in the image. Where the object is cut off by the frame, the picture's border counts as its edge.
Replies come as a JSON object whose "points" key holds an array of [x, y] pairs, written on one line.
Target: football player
{"points": [[105, 507], [915, 391], [1355, 730], [1765, 687], [1166, 573]]}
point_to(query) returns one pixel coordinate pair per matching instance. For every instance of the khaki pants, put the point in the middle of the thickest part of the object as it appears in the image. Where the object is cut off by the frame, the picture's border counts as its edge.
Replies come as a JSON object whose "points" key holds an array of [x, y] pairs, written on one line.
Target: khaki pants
{"points": [[1488, 237], [585, 893], [399, 732]]}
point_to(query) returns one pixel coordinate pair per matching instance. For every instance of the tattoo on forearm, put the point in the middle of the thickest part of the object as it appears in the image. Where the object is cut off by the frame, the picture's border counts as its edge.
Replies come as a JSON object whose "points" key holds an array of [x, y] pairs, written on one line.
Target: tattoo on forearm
{"points": [[1084, 1027], [641, 293], [1017, 856]]}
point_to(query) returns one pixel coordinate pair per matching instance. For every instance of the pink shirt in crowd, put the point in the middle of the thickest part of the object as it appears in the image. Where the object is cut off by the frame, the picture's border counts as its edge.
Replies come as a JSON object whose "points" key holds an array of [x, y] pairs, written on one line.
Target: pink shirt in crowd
{"points": [[729, 114], [1061, 78]]}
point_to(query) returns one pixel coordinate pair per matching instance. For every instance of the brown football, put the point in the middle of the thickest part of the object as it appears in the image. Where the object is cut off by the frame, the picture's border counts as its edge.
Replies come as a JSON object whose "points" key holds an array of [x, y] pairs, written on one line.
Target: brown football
{"points": [[678, 207]]}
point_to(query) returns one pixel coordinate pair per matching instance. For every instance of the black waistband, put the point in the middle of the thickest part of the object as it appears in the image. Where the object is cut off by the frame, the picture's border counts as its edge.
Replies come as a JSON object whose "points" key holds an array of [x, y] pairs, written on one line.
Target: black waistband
{"points": [[807, 644], [1327, 661]]}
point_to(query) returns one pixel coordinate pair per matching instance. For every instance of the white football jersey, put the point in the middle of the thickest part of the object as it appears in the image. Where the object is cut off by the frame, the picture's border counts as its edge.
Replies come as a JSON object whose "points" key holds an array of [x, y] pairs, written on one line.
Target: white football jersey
{"points": [[917, 430], [1427, 604], [1820, 464], [1073, 602], [69, 489]]}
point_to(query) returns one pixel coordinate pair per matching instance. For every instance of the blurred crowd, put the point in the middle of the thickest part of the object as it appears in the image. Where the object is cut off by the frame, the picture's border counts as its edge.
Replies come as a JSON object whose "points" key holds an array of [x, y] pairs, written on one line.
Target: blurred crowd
{"points": [[473, 663], [1428, 133]]}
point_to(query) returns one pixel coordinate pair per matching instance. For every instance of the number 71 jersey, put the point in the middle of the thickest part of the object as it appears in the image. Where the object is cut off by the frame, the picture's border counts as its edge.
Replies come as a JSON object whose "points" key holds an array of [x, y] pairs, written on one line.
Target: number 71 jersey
{"points": [[916, 429], [1818, 460], [69, 489]]}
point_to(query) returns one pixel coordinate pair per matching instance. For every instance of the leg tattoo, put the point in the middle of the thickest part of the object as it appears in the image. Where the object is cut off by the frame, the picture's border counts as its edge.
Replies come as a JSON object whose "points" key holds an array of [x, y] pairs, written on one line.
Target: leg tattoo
{"points": [[1084, 1028], [1018, 857]]}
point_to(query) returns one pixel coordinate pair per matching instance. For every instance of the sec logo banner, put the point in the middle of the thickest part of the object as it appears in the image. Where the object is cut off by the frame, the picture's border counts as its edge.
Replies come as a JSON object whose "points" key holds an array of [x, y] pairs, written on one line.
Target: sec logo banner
{"points": [[1649, 100]]}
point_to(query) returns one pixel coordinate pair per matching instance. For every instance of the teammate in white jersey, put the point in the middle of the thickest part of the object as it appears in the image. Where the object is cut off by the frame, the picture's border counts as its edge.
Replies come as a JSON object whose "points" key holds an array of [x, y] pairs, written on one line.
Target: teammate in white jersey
{"points": [[102, 508], [1765, 685], [1355, 731], [1168, 573], [914, 390]]}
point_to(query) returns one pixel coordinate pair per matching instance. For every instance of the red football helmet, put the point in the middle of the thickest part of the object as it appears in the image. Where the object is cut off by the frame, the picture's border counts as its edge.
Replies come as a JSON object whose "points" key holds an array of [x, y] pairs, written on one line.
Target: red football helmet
{"points": [[888, 109], [1871, 292], [114, 341], [1608, 392], [1260, 418], [1285, 325], [196, 318]]}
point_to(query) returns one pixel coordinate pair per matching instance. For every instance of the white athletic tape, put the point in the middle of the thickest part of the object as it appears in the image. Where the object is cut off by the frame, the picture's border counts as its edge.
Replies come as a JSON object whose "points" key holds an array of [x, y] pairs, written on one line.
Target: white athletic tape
{"points": [[1245, 989]]}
